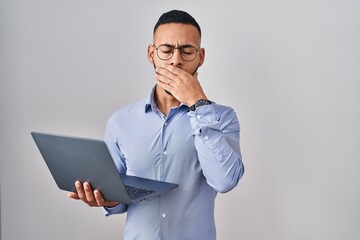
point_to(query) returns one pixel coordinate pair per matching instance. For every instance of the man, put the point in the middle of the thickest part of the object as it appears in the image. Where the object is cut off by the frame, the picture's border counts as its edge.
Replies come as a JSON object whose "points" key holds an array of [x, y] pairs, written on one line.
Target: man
{"points": [[175, 135]]}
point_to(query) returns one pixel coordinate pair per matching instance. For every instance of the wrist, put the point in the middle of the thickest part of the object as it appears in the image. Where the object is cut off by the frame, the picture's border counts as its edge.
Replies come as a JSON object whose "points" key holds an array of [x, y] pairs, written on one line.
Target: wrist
{"points": [[196, 99], [111, 204], [199, 103]]}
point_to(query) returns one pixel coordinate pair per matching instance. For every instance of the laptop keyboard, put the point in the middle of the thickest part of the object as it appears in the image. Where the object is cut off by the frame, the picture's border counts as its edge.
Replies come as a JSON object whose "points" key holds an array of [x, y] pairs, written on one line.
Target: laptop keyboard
{"points": [[136, 192]]}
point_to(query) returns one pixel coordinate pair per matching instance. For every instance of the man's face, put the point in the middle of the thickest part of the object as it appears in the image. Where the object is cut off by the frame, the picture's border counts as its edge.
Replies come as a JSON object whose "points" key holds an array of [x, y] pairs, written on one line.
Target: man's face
{"points": [[178, 35]]}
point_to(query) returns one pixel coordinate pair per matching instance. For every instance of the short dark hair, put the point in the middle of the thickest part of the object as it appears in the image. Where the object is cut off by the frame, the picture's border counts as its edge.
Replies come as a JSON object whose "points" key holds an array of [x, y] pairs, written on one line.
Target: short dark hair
{"points": [[177, 16]]}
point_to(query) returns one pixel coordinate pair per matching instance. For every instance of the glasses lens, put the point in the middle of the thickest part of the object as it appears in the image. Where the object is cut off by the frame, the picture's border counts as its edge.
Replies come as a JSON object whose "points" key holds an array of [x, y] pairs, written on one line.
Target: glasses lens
{"points": [[165, 52], [188, 53]]}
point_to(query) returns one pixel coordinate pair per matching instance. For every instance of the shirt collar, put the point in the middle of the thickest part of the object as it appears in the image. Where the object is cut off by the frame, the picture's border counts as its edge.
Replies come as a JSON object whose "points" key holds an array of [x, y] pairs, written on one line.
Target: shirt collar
{"points": [[150, 102]]}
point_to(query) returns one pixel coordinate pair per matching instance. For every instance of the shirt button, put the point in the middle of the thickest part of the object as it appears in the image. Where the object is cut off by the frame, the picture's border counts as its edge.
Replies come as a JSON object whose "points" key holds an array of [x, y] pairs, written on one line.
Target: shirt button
{"points": [[165, 152], [164, 215], [165, 123], [198, 117], [206, 137]]}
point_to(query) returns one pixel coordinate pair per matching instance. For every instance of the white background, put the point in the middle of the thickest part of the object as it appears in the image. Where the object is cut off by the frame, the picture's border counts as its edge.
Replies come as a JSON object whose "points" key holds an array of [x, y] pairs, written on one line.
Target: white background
{"points": [[290, 69]]}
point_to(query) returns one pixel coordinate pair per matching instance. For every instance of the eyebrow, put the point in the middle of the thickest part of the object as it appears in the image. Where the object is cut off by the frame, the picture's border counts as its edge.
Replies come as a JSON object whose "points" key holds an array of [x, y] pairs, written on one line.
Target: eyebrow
{"points": [[181, 46]]}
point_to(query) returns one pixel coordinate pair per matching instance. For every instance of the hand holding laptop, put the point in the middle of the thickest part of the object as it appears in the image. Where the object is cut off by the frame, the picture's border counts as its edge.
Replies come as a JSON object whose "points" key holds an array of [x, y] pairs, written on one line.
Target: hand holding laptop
{"points": [[92, 198], [88, 164]]}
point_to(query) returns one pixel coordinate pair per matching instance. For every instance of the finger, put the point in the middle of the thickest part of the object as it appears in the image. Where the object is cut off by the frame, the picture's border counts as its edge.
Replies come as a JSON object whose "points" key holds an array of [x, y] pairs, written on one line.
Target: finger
{"points": [[102, 202], [162, 78], [99, 198], [89, 193], [80, 190], [173, 69], [165, 80], [166, 73], [164, 86], [73, 195]]}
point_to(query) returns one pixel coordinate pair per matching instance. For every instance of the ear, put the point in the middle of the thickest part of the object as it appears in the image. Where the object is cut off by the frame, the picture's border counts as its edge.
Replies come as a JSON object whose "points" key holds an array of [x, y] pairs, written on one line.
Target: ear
{"points": [[150, 53], [201, 56]]}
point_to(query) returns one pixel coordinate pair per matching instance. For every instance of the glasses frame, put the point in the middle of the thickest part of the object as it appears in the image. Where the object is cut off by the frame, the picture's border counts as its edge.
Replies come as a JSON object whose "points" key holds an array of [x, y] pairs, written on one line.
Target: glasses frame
{"points": [[174, 48]]}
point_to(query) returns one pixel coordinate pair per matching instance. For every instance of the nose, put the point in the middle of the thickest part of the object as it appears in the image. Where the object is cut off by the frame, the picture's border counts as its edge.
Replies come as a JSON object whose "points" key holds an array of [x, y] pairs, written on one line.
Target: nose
{"points": [[176, 59]]}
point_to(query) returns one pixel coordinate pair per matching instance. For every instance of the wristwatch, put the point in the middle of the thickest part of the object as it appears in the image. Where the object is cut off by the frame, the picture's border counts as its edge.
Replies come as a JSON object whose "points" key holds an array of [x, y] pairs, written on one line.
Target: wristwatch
{"points": [[200, 103]]}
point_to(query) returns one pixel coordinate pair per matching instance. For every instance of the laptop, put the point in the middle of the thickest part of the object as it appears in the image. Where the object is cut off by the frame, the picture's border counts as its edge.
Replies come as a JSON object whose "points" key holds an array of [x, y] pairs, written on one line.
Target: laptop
{"points": [[71, 159]]}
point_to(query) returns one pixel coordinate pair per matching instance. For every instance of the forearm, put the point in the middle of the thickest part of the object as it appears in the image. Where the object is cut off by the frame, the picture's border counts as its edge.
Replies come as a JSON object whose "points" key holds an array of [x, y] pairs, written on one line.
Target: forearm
{"points": [[216, 131], [221, 165]]}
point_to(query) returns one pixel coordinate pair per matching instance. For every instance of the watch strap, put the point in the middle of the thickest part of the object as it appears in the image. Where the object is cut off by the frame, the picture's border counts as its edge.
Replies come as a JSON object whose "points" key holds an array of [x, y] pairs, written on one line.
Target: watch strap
{"points": [[199, 103]]}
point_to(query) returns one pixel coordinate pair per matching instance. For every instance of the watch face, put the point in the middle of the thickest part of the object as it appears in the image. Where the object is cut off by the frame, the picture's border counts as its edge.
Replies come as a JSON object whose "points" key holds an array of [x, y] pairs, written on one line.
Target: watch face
{"points": [[202, 102]]}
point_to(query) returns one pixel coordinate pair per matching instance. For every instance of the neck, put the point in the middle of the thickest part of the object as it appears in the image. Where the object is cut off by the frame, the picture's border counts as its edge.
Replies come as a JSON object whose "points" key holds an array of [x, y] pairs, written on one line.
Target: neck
{"points": [[164, 101]]}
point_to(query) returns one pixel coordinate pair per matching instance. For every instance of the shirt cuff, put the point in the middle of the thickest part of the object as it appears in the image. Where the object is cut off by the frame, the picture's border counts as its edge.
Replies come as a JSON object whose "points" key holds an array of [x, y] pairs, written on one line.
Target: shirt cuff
{"points": [[202, 117], [118, 209]]}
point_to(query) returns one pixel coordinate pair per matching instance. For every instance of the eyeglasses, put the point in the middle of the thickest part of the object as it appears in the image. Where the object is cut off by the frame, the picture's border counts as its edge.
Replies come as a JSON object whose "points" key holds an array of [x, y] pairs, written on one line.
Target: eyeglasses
{"points": [[166, 51]]}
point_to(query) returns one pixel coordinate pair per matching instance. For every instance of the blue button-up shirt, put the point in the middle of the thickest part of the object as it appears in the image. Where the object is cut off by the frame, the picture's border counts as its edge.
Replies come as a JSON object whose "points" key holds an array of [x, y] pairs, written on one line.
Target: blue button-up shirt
{"points": [[198, 150]]}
